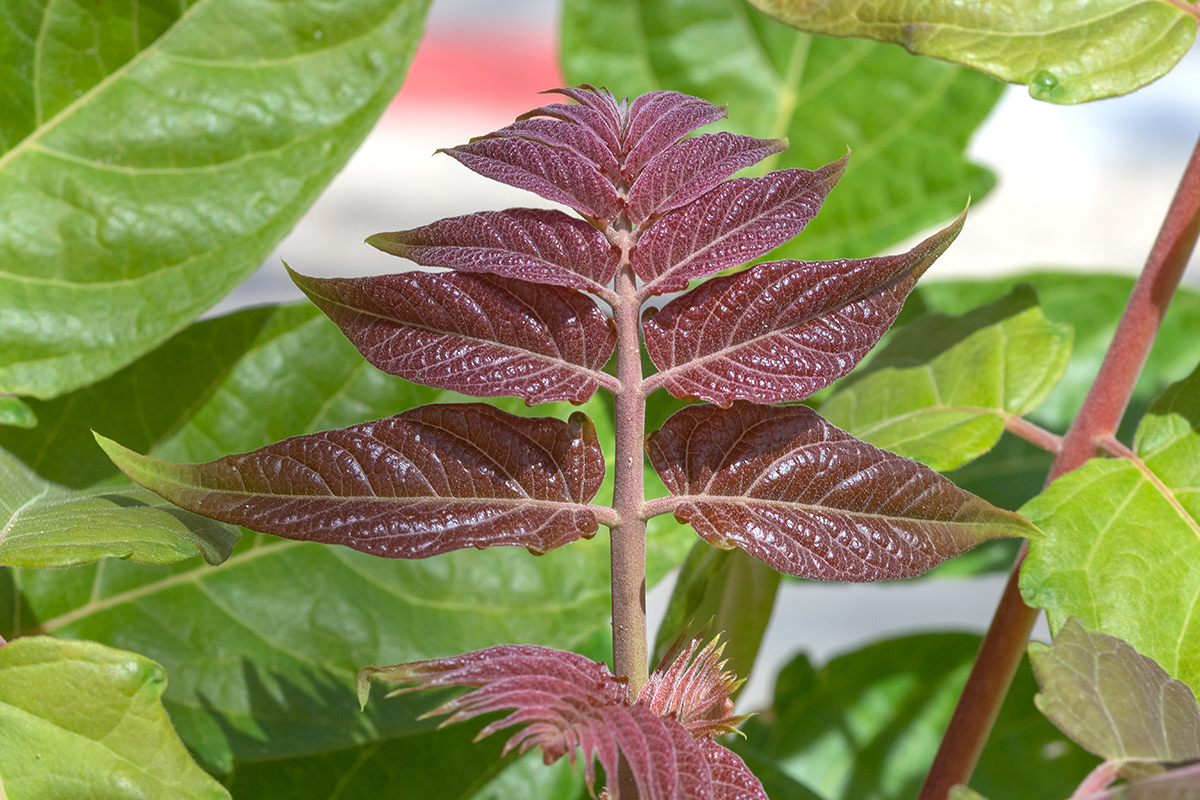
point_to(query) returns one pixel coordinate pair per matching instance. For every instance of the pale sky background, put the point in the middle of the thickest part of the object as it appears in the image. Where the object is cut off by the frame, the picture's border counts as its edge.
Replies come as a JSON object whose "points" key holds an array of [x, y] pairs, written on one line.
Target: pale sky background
{"points": [[1082, 187]]}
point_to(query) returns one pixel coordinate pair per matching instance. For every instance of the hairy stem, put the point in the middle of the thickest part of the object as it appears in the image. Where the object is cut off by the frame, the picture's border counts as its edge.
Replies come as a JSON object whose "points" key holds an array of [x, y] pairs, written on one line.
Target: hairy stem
{"points": [[629, 536], [1098, 419]]}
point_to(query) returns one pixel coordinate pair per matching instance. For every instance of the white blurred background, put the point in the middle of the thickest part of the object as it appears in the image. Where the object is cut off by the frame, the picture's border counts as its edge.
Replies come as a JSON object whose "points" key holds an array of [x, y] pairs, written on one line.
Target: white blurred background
{"points": [[1080, 187]]}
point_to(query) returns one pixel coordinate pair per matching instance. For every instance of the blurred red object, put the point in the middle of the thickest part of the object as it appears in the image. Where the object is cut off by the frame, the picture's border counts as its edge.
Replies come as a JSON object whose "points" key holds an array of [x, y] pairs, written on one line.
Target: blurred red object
{"points": [[496, 73]]}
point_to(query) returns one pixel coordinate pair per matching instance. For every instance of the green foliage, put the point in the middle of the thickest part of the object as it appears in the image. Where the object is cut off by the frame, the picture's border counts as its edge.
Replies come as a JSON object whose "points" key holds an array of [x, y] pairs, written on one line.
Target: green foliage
{"points": [[1065, 52], [905, 120], [866, 725], [131, 207], [80, 719], [14, 412], [1121, 543], [943, 388], [47, 525]]}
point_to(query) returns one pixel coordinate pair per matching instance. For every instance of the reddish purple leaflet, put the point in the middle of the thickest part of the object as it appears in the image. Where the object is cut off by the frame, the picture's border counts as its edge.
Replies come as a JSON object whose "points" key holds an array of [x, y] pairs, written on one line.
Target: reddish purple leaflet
{"points": [[481, 335], [428, 481], [782, 330], [572, 705], [810, 500]]}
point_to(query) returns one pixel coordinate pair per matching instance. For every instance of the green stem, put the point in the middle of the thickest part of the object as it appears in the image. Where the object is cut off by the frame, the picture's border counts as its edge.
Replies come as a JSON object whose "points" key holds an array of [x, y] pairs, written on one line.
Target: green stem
{"points": [[1098, 419]]}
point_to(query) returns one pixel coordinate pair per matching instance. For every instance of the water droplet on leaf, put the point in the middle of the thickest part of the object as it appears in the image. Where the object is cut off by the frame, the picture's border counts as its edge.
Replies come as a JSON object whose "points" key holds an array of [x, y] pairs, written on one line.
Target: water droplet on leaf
{"points": [[1044, 81]]}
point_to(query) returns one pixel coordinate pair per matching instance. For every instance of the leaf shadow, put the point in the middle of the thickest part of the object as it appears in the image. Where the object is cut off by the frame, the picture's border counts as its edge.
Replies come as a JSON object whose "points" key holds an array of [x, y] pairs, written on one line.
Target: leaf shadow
{"points": [[932, 333]]}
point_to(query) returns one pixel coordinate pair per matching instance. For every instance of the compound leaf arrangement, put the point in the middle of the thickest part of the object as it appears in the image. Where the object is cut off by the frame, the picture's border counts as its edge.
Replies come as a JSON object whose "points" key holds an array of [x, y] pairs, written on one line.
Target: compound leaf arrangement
{"points": [[517, 315]]}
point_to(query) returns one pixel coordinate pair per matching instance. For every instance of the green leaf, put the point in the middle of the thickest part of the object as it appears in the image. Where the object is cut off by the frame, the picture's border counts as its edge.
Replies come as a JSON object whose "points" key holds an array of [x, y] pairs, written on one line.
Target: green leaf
{"points": [[944, 387], [264, 649], [1065, 52], [1114, 701], [1121, 540], [79, 715], [16, 413], [47, 525], [906, 121], [152, 155], [1091, 304], [868, 723], [725, 591]]}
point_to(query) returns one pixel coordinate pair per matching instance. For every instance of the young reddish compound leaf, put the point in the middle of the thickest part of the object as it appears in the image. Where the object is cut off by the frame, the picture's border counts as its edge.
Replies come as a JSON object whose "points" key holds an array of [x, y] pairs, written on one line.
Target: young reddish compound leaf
{"points": [[782, 330], [573, 706], [530, 244], [731, 225], [659, 119], [688, 169], [810, 500], [428, 481], [481, 335]]}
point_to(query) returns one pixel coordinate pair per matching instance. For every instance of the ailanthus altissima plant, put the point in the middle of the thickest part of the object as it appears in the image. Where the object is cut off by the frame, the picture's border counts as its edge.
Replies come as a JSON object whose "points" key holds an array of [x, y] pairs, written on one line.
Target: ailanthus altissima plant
{"points": [[517, 315]]}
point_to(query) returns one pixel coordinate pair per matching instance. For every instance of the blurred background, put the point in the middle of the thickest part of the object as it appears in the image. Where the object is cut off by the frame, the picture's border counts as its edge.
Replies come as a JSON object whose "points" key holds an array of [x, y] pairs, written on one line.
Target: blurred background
{"points": [[1081, 187]]}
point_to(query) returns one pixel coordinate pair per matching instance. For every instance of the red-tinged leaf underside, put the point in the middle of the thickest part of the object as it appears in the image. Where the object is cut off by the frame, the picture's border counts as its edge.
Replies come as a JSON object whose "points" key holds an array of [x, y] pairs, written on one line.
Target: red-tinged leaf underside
{"points": [[809, 499], [731, 225], [782, 330], [689, 168], [428, 481], [481, 335], [570, 704], [530, 244], [556, 174]]}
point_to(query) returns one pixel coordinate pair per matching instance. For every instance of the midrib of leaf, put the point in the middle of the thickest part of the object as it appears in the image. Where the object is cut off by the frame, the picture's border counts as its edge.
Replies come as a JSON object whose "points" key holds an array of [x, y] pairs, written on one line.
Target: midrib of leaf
{"points": [[603, 378], [916, 413], [17, 513], [905, 124], [366, 755], [1185, 7], [743, 500], [789, 95], [66, 113], [644, 41], [178, 579]]}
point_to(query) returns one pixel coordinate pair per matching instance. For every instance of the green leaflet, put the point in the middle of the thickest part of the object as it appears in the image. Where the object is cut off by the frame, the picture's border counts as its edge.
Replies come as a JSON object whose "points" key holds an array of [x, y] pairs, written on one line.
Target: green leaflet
{"points": [[14, 412], [264, 649], [943, 388], [1091, 304], [1121, 541], [1065, 52], [79, 714], [906, 121], [47, 525], [151, 155], [1114, 701], [866, 726]]}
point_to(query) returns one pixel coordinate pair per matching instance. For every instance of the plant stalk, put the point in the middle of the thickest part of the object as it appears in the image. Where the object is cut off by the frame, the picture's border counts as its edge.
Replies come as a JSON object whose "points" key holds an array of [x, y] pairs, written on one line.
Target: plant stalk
{"points": [[1004, 644], [629, 536]]}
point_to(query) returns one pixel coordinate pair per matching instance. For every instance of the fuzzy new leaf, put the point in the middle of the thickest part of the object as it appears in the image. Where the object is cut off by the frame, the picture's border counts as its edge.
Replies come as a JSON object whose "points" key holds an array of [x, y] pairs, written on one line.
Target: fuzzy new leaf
{"points": [[574, 706], [782, 330], [811, 500], [481, 335], [428, 481]]}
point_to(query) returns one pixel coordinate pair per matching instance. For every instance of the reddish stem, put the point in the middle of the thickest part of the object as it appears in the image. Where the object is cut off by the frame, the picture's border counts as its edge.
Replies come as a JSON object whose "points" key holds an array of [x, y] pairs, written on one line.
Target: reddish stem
{"points": [[1099, 417], [1098, 779]]}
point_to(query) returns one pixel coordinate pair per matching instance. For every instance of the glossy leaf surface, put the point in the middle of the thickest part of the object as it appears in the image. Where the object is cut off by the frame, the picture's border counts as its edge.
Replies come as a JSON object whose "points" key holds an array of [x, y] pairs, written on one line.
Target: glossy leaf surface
{"points": [[733, 224], [1114, 701], [906, 120], [151, 155], [868, 723], [79, 714], [943, 388], [438, 478], [306, 615], [48, 525], [1121, 543], [530, 244], [574, 707], [810, 500], [782, 330], [1065, 52], [480, 335], [689, 168]]}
